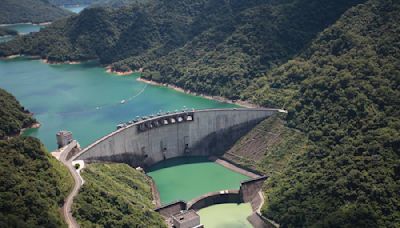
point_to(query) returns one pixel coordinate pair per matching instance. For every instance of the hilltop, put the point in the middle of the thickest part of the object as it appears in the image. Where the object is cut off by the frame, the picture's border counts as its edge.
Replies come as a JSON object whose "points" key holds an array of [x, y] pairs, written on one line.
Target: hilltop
{"points": [[29, 11]]}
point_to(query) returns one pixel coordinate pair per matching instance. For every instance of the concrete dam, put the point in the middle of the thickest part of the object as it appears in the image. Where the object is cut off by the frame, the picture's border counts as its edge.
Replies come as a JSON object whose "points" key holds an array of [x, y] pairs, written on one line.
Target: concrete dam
{"points": [[186, 133]]}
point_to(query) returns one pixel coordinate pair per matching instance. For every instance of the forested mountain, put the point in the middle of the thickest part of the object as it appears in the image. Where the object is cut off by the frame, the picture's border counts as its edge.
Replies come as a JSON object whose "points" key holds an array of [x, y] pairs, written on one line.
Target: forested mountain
{"points": [[344, 93], [13, 117], [33, 185], [210, 46], [34, 11]]}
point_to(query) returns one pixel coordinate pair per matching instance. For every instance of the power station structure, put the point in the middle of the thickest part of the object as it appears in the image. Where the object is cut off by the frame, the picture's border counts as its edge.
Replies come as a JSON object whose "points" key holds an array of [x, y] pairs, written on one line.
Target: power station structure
{"points": [[64, 138]]}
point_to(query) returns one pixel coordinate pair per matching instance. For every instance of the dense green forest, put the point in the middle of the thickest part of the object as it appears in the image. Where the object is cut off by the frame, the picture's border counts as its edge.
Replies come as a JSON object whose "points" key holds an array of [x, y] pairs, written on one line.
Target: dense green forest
{"points": [[34, 11], [13, 117], [344, 93], [115, 195], [209, 46], [33, 184]]}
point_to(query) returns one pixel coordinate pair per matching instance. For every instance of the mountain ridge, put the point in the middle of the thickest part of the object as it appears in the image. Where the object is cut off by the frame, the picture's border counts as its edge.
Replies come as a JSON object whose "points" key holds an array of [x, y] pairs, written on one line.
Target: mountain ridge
{"points": [[29, 11]]}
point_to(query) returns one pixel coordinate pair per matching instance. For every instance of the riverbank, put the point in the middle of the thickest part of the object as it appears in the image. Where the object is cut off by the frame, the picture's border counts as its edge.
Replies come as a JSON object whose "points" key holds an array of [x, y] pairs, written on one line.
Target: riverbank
{"points": [[19, 55], [229, 165], [110, 70], [57, 62], [33, 126], [27, 23], [245, 104]]}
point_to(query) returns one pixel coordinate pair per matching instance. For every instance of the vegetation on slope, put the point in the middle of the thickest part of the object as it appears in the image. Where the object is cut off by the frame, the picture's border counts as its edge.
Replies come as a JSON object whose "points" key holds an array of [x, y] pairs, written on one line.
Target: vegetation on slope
{"points": [[33, 185], [344, 93], [34, 11], [13, 116], [268, 147], [212, 46], [115, 195]]}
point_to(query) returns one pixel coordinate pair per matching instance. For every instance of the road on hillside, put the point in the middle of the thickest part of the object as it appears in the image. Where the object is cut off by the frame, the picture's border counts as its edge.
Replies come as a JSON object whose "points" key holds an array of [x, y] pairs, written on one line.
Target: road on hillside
{"points": [[67, 208]]}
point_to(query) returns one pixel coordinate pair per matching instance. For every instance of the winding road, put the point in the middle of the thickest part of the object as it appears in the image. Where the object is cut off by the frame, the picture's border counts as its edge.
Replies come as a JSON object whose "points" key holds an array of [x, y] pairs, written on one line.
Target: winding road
{"points": [[67, 208]]}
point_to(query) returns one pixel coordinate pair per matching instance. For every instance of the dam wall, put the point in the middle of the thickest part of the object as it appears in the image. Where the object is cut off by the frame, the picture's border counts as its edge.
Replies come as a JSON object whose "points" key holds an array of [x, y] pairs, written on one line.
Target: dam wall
{"points": [[187, 133], [212, 198], [172, 208]]}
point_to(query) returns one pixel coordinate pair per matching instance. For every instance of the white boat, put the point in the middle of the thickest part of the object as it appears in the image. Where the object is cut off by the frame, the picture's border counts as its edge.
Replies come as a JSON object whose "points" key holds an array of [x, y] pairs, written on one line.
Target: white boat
{"points": [[123, 102]]}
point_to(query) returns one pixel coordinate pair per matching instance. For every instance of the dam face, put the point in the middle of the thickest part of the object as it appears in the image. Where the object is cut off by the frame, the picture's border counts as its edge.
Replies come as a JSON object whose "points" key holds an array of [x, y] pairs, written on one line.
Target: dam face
{"points": [[191, 133]]}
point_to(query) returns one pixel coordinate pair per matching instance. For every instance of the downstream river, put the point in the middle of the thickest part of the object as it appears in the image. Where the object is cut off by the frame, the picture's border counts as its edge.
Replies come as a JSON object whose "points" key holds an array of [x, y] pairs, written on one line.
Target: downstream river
{"points": [[85, 99], [195, 176], [190, 177]]}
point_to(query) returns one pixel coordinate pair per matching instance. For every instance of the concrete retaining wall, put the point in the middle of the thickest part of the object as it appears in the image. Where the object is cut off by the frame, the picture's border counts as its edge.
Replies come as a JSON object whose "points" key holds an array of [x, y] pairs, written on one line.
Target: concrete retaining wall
{"points": [[198, 133], [249, 189], [171, 209], [227, 196], [258, 221]]}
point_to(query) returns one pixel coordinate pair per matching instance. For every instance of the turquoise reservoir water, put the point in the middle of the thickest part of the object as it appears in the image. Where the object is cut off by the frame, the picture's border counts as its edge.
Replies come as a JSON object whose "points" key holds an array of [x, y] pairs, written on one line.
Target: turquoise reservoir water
{"points": [[226, 215], [85, 99], [189, 177], [24, 28], [75, 8]]}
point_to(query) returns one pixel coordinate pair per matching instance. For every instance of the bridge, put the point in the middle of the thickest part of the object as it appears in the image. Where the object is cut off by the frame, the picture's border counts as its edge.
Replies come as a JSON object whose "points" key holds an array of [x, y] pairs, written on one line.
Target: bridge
{"points": [[186, 133]]}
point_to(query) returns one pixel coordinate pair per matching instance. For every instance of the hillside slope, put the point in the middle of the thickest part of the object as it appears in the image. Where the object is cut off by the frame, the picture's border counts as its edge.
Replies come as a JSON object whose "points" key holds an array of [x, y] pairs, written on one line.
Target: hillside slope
{"points": [[13, 117], [115, 195], [211, 46], [344, 93], [34, 11], [33, 184]]}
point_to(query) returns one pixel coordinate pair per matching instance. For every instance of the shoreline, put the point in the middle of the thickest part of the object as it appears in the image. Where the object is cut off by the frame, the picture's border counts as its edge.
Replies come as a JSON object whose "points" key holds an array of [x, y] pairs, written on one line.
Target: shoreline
{"points": [[231, 166], [27, 23], [33, 126], [21, 55], [245, 104], [109, 70], [59, 63], [122, 73], [119, 73]]}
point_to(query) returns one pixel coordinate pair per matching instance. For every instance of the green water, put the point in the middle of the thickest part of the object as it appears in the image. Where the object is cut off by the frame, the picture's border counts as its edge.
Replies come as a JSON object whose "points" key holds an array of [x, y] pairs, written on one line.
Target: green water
{"points": [[226, 215], [24, 28], [190, 177], [85, 99]]}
